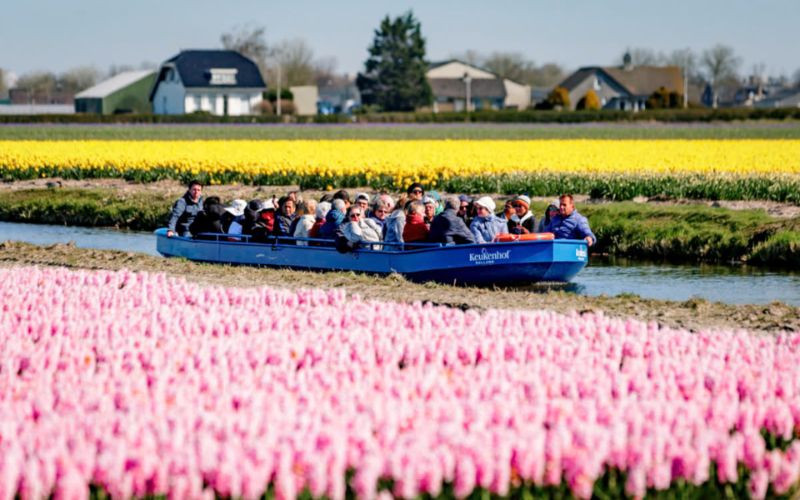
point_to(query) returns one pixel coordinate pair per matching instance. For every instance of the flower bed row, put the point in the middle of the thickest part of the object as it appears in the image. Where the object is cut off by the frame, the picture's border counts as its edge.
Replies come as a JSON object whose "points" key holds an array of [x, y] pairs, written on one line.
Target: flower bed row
{"points": [[141, 384], [621, 169]]}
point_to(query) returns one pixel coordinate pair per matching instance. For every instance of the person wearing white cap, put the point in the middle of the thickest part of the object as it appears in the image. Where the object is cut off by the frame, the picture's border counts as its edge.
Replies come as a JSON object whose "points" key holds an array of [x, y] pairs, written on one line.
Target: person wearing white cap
{"points": [[523, 221], [233, 217], [486, 226]]}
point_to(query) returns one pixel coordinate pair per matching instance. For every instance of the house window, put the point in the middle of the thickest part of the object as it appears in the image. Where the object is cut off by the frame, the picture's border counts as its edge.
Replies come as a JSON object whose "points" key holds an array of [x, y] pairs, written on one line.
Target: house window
{"points": [[223, 76], [596, 84]]}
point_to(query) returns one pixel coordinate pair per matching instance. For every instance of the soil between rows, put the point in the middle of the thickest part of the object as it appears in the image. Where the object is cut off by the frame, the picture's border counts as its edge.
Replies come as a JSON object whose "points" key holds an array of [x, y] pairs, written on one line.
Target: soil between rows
{"points": [[694, 314]]}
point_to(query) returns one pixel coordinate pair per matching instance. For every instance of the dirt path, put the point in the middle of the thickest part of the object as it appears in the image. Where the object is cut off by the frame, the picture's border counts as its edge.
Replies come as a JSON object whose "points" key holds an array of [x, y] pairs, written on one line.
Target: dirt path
{"points": [[693, 314]]}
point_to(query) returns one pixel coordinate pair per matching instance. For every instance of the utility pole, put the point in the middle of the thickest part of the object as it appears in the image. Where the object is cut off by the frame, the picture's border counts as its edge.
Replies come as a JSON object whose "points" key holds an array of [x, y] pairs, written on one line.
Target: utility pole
{"points": [[278, 99], [468, 82], [685, 88]]}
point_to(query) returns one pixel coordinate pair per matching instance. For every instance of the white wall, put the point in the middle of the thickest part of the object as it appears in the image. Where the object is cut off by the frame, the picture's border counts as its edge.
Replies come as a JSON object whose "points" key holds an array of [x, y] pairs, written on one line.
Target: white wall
{"points": [[169, 98], [239, 103], [517, 95], [456, 69], [305, 99]]}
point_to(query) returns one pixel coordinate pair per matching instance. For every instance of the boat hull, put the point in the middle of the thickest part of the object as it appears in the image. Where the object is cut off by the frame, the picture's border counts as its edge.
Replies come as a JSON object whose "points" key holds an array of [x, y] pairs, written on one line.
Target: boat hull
{"points": [[479, 264]]}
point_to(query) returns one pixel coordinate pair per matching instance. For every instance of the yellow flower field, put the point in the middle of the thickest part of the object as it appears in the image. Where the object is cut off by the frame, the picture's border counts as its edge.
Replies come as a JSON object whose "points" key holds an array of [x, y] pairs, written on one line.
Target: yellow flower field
{"points": [[415, 158], [394, 164]]}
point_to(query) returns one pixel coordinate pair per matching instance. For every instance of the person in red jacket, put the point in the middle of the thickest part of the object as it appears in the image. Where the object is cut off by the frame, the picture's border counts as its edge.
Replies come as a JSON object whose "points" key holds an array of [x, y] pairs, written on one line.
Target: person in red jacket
{"points": [[415, 229]]}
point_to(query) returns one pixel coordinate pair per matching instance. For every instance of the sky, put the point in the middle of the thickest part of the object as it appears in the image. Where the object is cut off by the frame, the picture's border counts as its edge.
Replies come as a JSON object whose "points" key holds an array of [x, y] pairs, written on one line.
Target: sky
{"points": [[56, 35]]}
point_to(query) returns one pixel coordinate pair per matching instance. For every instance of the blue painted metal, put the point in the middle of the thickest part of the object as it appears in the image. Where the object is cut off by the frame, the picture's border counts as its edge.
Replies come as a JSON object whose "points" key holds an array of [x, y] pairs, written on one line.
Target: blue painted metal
{"points": [[489, 263]]}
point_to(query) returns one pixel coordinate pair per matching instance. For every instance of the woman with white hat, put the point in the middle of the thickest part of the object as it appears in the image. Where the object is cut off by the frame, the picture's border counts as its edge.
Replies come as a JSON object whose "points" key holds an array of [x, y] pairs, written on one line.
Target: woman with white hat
{"points": [[486, 226]]}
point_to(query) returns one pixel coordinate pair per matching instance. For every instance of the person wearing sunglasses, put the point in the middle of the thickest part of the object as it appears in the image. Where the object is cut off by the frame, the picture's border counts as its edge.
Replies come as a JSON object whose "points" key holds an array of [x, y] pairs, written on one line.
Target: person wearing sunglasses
{"points": [[486, 225], [415, 192], [358, 229], [522, 221]]}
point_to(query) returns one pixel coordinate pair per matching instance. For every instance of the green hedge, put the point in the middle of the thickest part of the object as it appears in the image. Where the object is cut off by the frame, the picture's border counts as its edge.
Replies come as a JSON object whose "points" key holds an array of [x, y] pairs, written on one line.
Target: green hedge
{"points": [[502, 116]]}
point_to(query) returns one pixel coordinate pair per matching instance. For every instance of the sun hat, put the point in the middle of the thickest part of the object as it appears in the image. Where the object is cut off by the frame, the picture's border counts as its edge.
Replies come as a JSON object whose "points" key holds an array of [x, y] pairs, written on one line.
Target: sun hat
{"points": [[524, 200], [236, 208], [429, 200], [555, 203], [362, 196], [486, 203], [268, 205]]}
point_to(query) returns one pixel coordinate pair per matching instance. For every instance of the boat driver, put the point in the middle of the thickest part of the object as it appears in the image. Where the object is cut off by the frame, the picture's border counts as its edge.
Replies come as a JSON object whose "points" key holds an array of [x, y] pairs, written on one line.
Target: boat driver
{"points": [[569, 224]]}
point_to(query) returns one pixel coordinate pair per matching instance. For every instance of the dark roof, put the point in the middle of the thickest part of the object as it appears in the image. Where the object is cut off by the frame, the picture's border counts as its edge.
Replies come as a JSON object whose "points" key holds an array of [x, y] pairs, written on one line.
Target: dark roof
{"points": [[482, 88], [639, 80], [194, 68]]}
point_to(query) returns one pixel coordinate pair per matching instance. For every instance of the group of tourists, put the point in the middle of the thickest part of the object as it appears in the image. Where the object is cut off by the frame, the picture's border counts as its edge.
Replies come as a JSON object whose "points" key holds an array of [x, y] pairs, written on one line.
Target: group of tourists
{"points": [[378, 221]]}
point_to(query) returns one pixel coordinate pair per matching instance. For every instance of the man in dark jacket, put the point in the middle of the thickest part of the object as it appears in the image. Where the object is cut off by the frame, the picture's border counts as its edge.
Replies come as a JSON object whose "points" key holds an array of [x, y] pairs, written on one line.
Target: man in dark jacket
{"points": [[185, 210], [448, 227]]}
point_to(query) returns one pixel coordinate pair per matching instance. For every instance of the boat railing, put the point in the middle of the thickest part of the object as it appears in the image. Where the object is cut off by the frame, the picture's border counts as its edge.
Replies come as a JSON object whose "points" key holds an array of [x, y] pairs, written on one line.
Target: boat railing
{"points": [[292, 240]]}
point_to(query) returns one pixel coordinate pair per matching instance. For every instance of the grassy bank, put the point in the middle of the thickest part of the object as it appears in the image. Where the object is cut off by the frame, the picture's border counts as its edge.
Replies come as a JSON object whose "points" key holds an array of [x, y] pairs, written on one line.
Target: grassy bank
{"points": [[693, 314], [735, 130], [678, 233]]}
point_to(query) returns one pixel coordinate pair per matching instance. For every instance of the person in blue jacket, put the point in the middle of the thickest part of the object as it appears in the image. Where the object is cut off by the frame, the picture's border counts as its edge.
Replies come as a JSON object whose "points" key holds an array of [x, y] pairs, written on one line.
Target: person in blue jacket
{"points": [[569, 224], [486, 225]]}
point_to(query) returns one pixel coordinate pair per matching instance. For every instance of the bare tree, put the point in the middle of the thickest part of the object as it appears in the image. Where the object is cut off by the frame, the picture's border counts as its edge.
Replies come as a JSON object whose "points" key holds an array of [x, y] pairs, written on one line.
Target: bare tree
{"points": [[721, 65], [80, 78], [296, 59], [515, 66], [249, 41], [38, 82], [796, 78], [686, 59]]}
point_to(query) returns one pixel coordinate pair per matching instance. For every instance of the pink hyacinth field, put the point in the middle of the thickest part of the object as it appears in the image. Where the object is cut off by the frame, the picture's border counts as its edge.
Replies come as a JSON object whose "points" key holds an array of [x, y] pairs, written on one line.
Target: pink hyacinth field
{"points": [[133, 384]]}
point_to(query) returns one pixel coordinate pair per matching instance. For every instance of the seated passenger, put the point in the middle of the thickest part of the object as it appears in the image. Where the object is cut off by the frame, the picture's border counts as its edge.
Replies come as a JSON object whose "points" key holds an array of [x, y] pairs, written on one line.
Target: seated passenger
{"points": [[465, 208], [305, 222], [523, 221], [185, 210], [415, 228], [251, 215], [508, 210], [264, 225], [333, 219], [378, 214], [437, 198], [549, 212], [430, 209], [395, 223], [209, 220], [233, 218], [322, 210], [448, 228], [285, 217], [569, 224], [344, 196], [358, 229], [415, 192], [486, 225], [362, 200]]}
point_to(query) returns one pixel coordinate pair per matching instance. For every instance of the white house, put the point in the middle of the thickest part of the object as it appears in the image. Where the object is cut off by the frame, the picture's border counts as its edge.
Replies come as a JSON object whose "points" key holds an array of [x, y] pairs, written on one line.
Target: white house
{"points": [[221, 82], [490, 91]]}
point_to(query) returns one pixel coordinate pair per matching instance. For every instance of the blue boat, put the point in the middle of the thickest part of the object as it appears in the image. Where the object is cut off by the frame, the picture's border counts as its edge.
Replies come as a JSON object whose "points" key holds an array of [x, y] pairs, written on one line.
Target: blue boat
{"points": [[518, 262]]}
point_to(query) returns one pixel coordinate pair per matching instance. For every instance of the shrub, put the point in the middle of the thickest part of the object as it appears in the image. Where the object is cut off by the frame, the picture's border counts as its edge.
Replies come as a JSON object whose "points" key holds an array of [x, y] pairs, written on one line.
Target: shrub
{"points": [[590, 101]]}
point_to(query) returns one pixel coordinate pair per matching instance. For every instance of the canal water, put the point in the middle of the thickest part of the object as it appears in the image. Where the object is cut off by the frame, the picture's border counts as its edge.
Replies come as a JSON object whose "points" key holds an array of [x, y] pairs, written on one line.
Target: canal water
{"points": [[729, 284]]}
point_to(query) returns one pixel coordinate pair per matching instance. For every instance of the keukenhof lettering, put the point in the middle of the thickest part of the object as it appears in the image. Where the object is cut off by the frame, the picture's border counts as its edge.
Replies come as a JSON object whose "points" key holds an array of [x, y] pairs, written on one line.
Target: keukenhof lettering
{"points": [[487, 257]]}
